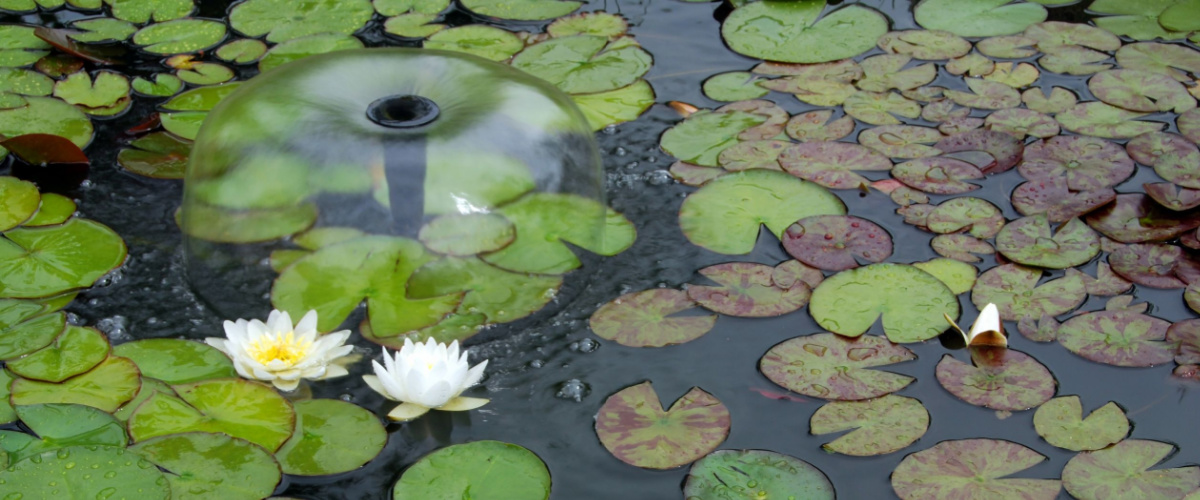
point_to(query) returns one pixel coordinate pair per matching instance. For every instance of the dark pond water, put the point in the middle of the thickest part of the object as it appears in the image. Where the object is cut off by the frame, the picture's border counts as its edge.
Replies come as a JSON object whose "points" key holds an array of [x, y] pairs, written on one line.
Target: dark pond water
{"points": [[532, 373]]}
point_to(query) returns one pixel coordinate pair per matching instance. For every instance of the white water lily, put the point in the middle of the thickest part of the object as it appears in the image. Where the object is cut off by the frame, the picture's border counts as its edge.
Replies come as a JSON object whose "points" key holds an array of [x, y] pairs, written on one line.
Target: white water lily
{"points": [[987, 331], [424, 377], [282, 353]]}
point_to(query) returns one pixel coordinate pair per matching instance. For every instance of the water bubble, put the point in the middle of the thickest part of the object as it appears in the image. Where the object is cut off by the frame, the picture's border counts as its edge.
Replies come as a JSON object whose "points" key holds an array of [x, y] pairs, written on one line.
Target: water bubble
{"points": [[620, 151], [585, 345], [610, 130], [115, 328], [659, 178], [537, 363], [349, 398], [573, 389]]}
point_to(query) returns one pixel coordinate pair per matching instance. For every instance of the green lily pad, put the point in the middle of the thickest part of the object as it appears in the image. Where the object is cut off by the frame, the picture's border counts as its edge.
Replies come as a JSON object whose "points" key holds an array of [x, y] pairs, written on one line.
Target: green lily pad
{"points": [[752, 154], [102, 29], [205, 73], [998, 378], [7, 414], [149, 388], [202, 465], [958, 276], [463, 235], [1136, 218], [961, 247], [176, 361], [44, 261], [978, 17], [641, 319], [1169, 59], [487, 42], [181, 36], [985, 94], [1028, 241], [969, 468], [142, 11], [1061, 423], [930, 45], [585, 63], [1015, 291], [242, 51], [331, 437], [1053, 34], [815, 126], [1103, 120], [480, 470], [75, 351], [771, 474], [57, 426], [164, 85], [597, 23], [110, 384], [283, 20], [19, 200], [545, 221], [704, 135], [829, 366], [832, 164], [457, 326], [522, 10], [912, 302], [877, 108], [26, 327], [1137, 20], [413, 25], [750, 290], [837, 242], [792, 32], [901, 141], [245, 226], [46, 115], [321, 237], [975, 216], [55, 209], [615, 106], [86, 472], [501, 296], [885, 72], [311, 45], [1119, 338], [336, 279], [1141, 91], [725, 215], [1124, 469], [396, 7], [1058, 101], [159, 155], [239, 408], [19, 46], [733, 86], [634, 428], [877, 426]]}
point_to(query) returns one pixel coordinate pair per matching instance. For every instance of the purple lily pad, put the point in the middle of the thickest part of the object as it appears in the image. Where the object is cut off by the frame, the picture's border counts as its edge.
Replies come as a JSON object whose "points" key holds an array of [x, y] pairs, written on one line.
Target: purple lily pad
{"points": [[940, 111], [1088, 163], [1119, 338], [877, 426], [830, 366], [694, 175], [999, 378], [1136, 218], [752, 154], [1022, 122], [1006, 149], [634, 428], [837, 242], [1044, 329], [749, 290], [1186, 334], [917, 214], [971, 468], [1151, 264], [938, 175], [1125, 303], [1051, 197], [831, 164], [775, 117], [1100, 119], [1191, 296], [1141, 91], [975, 216], [1028, 241], [960, 125], [902, 141], [792, 272], [961, 247], [816, 126], [1015, 291], [1106, 283], [1123, 471], [1189, 125], [1172, 196], [1190, 240], [930, 45], [985, 95], [641, 319], [1173, 157]]}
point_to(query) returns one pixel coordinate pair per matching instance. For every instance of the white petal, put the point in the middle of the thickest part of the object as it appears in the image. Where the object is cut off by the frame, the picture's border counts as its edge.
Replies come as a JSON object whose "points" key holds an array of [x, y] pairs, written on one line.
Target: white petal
{"points": [[218, 343], [286, 385], [407, 411], [463, 403], [475, 375], [334, 371], [308, 323], [373, 382], [437, 395]]}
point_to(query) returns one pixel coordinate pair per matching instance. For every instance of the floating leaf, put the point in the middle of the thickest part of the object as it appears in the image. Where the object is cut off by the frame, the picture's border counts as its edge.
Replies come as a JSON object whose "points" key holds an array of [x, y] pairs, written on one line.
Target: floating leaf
{"points": [[299, 48], [815, 91], [283, 20], [522, 10], [26, 327], [998, 378], [239, 408], [19, 201], [971, 468], [973, 64], [615, 106], [749, 290], [44, 261], [1172, 196], [772, 474], [480, 470], [884, 72], [1028, 241], [702, 136], [1138, 20], [180, 36], [837, 242], [203, 73], [1059, 100], [1152, 265], [176, 361], [829, 366], [832, 164], [1003, 148], [142, 11], [796, 35], [203, 464], [59, 426], [1044, 329], [1104, 120], [242, 51], [102, 29], [961, 247], [7, 415], [1136, 218], [598, 23], [75, 351], [1123, 470], [733, 86], [467, 234], [1168, 59], [978, 17], [1050, 196], [975, 216], [501, 296], [634, 428], [877, 108], [985, 95], [1087, 163], [938, 175], [585, 63], [902, 141], [1141, 91], [1052, 34], [19, 46], [1016, 76], [1119, 338], [46, 115], [640, 319], [913, 303], [111, 383], [959, 277], [879, 426], [1022, 122], [331, 437], [164, 85], [1173, 157], [77, 470], [1015, 291], [752, 154], [1060, 422], [539, 246], [159, 155], [1106, 283], [925, 44]]}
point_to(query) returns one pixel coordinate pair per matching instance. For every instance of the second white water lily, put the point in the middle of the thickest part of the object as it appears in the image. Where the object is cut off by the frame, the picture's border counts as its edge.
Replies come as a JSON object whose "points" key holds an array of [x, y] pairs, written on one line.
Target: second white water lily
{"points": [[424, 377], [283, 354]]}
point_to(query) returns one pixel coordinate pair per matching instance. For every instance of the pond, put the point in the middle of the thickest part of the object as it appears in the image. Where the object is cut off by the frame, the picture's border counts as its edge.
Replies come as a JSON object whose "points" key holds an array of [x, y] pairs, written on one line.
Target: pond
{"points": [[909, 159]]}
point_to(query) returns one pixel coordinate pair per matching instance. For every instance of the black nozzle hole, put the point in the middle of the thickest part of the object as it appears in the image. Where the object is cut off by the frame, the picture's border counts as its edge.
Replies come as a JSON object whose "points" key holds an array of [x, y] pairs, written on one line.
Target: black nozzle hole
{"points": [[403, 111]]}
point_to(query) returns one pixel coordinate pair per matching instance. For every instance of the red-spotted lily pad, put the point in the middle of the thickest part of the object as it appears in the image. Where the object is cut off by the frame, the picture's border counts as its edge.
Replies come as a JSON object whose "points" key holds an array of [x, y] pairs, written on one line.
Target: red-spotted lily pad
{"points": [[766, 474], [1004, 148], [913, 303], [203, 464], [902, 141], [1173, 157], [815, 91], [1060, 422], [107, 386], [1172, 196], [1087, 163], [986, 95], [832, 164], [998, 378], [725, 215], [972, 468], [829, 366], [1141, 91], [1119, 338], [1136, 218], [975, 216], [930, 45], [817, 126], [641, 319], [634, 428], [1152, 265], [837, 242], [1050, 196], [1103, 120], [1028, 241], [961, 247], [331, 437], [938, 175], [749, 290], [881, 425], [240, 408], [1015, 291], [1123, 471]]}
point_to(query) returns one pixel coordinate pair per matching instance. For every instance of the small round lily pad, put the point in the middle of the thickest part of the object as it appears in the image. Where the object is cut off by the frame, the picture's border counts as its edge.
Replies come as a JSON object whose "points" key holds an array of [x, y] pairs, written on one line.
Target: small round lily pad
{"points": [[818, 125], [1015, 291], [19, 200], [913, 303], [107, 386], [837, 242], [972, 468], [832, 164], [749, 290], [771, 474], [641, 319], [467, 234], [733, 86], [938, 175], [1006, 150], [1124, 470], [203, 464], [975, 216], [633, 426], [1029, 241], [799, 34], [1119, 338], [1061, 423], [480, 470], [331, 437], [75, 351], [879, 426], [1050, 196], [998, 378], [829, 366]]}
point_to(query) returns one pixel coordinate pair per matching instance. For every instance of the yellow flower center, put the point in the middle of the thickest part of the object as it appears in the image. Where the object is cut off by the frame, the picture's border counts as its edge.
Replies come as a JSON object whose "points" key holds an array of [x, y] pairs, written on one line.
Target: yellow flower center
{"points": [[283, 347]]}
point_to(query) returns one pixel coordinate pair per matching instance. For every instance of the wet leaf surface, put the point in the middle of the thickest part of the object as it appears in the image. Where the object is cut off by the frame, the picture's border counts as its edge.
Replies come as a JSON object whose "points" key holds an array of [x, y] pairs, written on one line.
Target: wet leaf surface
{"points": [[837, 242], [829, 366], [283, 20], [750, 290], [331, 437], [75, 351], [998, 378], [202, 464], [1015, 291], [1029, 241], [938, 175], [500, 296], [522, 10], [1124, 469], [57, 426], [832, 164], [959, 277], [1136, 218], [486, 470], [239, 408], [819, 125], [1087, 163], [971, 468], [176, 361], [925, 44], [978, 17], [772, 474], [911, 301], [961, 247], [110, 384], [633, 426], [159, 155], [800, 33], [1061, 423], [585, 63], [902, 141], [642, 319], [73, 469], [1119, 338], [1052, 197], [877, 426]]}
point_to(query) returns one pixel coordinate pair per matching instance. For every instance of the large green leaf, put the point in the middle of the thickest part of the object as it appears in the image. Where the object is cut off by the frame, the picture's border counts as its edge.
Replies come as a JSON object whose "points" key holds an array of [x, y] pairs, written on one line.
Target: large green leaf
{"points": [[180, 36], [522, 10], [142, 11], [978, 17], [633, 426], [59, 426], [177, 361], [585, 63], [877, 426], [44, 261], [766, 474], [544, 221], [46, 115], [912, 302], [75, 351], [1123, 471], [283, 20], [299, 48], [481, 470], [1061, 423], [502, 296], [19, 46], [202, 465], [86, 472], [789, 31], [972, 468], [19, 200], [26, 327], [704, 135], [239, 408], [331, 437], [107, 387]]}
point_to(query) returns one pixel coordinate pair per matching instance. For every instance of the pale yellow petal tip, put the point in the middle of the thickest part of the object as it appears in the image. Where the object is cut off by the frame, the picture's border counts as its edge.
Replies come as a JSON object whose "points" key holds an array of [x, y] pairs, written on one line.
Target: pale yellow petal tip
{"points": [[407, 412], [988, 331], [463, 403]]}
